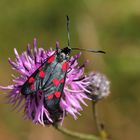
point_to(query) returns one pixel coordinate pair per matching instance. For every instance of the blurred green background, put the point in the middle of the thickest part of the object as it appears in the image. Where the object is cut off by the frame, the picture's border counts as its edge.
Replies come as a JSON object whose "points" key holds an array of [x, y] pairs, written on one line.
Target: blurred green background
{"points": [[113, 26]]}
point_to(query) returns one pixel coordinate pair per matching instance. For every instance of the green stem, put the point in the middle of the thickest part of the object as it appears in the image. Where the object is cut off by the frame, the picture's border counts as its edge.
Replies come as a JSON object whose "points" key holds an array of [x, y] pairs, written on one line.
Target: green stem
{"points": [[76, 134], [99, 126], [95, 116]]}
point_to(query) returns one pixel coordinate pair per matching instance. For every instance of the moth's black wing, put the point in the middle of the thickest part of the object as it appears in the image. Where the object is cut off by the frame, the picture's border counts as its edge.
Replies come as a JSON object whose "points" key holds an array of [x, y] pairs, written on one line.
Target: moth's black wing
{"points": [[53, 89], [48, 79], [39, 77]]}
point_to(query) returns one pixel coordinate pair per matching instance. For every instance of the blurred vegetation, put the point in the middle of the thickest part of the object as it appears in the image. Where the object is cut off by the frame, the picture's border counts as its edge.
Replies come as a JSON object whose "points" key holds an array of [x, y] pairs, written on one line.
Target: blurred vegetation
{"points": [[113, 26]]}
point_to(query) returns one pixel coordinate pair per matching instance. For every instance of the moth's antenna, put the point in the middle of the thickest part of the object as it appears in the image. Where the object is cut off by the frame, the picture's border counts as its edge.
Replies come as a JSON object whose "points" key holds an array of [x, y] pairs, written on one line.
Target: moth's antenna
{"points": [[81, 49], [68, 30], [88, 50]]}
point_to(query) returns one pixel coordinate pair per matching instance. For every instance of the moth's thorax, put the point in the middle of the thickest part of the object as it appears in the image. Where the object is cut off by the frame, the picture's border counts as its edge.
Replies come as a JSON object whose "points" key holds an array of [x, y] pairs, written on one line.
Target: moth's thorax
{"points": [[63, 54]]}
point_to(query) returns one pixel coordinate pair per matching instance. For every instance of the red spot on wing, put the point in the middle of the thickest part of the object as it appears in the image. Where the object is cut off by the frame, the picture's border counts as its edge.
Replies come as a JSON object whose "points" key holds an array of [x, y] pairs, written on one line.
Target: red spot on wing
{"points": [[50, 96], [51, 59], [32, 87], [41, 74], [64, 66], [55, 81], [57, 94], [62, 80], [31, 80]]}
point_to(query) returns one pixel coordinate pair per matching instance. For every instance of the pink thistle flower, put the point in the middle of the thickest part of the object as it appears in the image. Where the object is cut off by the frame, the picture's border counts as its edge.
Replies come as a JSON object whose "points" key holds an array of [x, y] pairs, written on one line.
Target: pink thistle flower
{"points": [[33, 104]]}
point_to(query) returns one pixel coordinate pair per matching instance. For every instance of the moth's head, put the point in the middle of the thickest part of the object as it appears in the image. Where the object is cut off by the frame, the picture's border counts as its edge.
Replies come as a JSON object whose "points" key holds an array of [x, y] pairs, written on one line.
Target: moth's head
{"points": [[63, 54], [66, 50]]}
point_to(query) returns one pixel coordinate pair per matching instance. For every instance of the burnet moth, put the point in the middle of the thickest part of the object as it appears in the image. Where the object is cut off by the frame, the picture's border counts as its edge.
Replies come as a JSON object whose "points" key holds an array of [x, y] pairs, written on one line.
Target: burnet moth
{"points": [[49, 78]]}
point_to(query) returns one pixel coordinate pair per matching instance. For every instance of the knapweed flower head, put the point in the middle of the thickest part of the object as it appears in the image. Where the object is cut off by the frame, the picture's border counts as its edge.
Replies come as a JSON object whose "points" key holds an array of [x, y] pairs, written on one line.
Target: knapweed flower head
{"points": [[33, 104], [99, 86]]}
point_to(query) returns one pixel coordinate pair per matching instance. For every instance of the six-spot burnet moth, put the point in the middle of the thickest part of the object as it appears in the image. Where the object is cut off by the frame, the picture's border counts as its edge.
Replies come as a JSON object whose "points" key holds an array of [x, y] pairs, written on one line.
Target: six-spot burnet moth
{"points": [[49, 78]]}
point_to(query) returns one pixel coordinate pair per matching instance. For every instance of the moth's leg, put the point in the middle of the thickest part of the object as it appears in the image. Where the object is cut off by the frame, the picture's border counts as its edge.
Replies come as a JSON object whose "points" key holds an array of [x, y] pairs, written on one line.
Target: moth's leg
{"points": [[78, 79]]}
